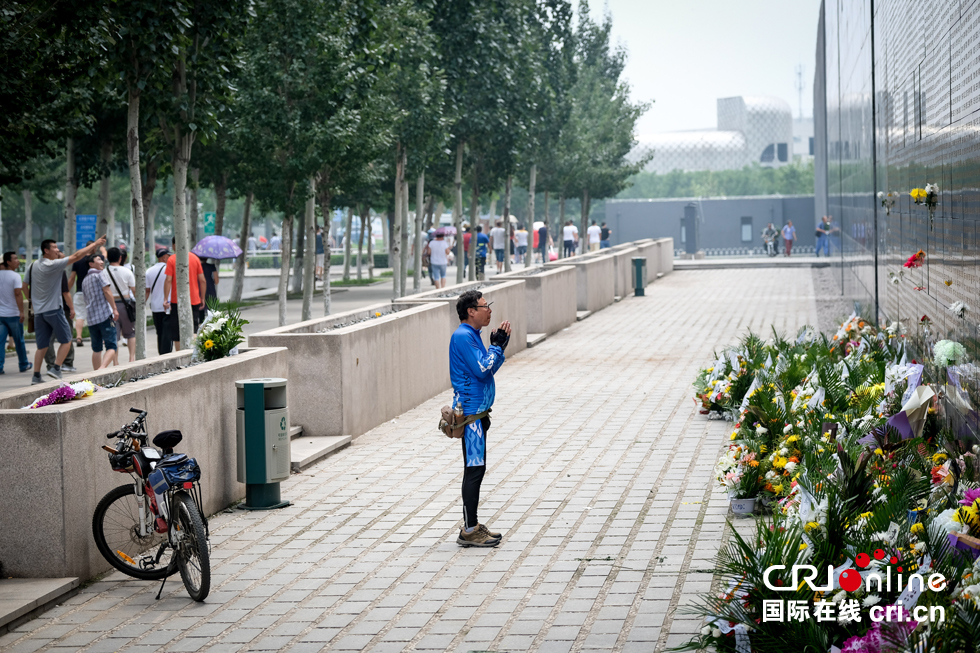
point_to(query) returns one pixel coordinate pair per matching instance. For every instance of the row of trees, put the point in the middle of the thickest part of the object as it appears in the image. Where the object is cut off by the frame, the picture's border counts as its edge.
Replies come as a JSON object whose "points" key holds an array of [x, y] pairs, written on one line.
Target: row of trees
{"points": [[304, 106]]}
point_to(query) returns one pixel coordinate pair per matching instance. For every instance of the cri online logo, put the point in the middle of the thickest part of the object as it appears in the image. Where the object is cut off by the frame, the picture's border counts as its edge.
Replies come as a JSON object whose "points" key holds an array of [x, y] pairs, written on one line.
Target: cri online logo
{"points": [[850, 580]]}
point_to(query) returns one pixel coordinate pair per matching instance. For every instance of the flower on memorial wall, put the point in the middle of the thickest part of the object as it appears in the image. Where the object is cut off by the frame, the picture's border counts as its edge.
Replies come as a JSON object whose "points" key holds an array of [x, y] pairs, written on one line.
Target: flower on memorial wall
{"points": [[958, 309], [948, 352], [916, 260]]}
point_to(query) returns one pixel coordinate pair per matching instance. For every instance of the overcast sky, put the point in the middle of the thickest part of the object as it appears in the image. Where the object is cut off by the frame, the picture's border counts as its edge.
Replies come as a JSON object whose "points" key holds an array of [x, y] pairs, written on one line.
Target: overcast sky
{"points": [[685, 55]]}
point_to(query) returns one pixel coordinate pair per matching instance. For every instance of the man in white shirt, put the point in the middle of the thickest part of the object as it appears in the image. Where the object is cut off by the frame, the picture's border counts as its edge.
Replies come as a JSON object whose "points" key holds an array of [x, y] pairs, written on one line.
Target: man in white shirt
{"points": [[12, 310], [155, 278], [570, 237], [521, 243], [438, 259], [122, 283], [274, 246], [498, 240], [595, 237]]}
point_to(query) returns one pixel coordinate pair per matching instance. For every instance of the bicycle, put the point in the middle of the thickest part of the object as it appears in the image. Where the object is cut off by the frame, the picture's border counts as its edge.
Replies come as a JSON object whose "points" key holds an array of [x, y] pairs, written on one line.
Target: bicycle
{"points": [[134, 524]]}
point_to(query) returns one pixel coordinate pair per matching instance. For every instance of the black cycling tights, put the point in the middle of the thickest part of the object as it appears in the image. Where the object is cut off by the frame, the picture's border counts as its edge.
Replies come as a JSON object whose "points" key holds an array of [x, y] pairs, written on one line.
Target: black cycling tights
{"points": [[472, 479]]}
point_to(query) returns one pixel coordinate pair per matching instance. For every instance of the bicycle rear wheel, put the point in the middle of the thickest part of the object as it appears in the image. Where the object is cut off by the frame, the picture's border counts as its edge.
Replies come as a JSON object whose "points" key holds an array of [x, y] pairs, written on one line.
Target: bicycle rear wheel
{"points": [[116, 528], [192, 547]]}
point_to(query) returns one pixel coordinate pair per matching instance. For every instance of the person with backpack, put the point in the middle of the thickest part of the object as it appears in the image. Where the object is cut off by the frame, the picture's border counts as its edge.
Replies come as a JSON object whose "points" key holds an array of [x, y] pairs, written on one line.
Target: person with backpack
{"points": [[155, 280]]}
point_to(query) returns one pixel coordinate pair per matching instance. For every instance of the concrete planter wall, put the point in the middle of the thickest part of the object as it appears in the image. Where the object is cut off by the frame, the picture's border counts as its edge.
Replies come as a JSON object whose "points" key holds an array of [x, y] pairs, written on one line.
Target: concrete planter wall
{"points": [[595, 279], [666, 255], [345, 380], [623, 268], [509, 303], [650, 250], [53, 471], [550, 297]]}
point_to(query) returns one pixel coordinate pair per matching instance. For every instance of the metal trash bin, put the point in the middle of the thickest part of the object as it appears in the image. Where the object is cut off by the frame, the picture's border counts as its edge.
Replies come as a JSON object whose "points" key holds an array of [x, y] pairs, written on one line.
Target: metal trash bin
{"points": [[262, 422], [639, 275]]}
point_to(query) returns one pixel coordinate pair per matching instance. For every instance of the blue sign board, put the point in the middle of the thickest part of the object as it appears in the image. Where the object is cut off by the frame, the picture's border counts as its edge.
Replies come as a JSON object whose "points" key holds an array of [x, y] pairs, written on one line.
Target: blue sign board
{"points": [[84, 229]]}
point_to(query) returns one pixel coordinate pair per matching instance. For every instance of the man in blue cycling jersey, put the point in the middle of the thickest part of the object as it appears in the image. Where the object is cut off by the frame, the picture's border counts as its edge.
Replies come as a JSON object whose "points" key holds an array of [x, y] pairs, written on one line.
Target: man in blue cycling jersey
{"points": [[471, 369]]}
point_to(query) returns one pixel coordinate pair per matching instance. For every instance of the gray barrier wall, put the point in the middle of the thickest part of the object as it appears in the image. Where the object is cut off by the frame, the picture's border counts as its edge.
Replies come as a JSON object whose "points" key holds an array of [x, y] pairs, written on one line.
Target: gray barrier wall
{"points": [[550, 297], [357, 370], [53, 471]]}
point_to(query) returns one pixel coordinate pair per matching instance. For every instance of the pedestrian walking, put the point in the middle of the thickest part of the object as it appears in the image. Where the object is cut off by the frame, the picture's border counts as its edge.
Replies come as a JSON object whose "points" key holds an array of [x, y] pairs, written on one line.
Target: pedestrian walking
{"points": [[595, 236], [123, 288], [521, 238], [103, 312], [44, 285], [604, 234], [482, 244], [275, 244], [154, 294], [789, 235], [544, 242], [438, 250], [823, 240], [78, 271], [211, 279], [570, 237], [12, 313], [471, 370], [498, 239], [198, 287]]}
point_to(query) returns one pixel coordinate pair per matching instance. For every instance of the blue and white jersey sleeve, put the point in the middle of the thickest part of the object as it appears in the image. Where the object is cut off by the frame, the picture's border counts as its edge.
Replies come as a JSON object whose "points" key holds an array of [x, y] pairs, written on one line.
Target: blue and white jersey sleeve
{"points": [[471, 369]]}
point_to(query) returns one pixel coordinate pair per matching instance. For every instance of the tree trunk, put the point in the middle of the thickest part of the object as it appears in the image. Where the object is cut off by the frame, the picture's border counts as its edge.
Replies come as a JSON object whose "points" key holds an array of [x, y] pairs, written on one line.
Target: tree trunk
{"points": [[239, 282], [395, 251], [507, 225], [403, 262], [583, 234], [370, 236], [138, 244], [326, 198], [419, 213], [474, 218], [439, 209], [348, 226], [28, 226], [103, 226], [220, 200], [149, 210], [560, 232], [458, 211], [181, 160], [310, 255], [300, 250], [287, 254], [360, 244], [71, 192], [195, 214], [529, 256]]}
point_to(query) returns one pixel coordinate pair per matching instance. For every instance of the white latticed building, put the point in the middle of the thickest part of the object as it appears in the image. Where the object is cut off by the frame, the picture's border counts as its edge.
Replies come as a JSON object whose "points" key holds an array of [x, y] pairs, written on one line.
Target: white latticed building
{"points": [[756, 129]]}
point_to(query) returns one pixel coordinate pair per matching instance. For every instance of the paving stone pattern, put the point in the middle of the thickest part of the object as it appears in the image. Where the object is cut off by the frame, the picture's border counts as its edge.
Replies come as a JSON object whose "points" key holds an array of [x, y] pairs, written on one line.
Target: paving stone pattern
{"points": [[599, 476]]}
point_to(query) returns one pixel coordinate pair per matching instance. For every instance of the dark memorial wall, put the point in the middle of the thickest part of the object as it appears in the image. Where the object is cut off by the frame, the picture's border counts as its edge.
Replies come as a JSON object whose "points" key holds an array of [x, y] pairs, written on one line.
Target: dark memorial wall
{"points": [[902, 111]]}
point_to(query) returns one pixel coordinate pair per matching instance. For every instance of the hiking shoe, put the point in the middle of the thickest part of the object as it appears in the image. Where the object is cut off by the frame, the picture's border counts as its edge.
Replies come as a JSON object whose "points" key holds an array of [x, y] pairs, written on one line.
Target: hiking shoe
{"points": [[477, 538], [54, 372], [487, 531], [36, 378]]}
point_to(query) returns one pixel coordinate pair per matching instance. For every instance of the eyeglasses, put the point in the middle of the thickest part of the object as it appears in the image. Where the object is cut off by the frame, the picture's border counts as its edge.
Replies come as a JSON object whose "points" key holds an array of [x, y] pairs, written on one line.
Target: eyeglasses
{"points": [[487, 305]]}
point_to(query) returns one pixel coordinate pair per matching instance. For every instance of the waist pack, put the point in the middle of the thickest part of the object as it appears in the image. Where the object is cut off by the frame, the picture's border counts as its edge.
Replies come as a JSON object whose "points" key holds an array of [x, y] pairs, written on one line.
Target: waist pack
{"points": [[453, 425], [178, 469]]}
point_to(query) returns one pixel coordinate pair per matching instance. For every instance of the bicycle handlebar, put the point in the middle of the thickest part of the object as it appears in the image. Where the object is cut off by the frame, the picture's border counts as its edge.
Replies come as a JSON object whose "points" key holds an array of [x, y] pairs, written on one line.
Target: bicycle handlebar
{"points": [[126, 429]]}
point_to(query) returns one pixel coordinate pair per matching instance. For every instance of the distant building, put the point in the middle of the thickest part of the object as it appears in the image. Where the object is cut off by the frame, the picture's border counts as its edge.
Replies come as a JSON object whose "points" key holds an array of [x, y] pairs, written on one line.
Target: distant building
{"points": [[756, 129], [803, 139]]}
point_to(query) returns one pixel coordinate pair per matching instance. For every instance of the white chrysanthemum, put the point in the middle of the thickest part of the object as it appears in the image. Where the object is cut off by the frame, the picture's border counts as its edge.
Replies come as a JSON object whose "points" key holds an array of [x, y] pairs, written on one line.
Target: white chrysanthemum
{"points": [[948, 352], [871, 599], [790, 467]]}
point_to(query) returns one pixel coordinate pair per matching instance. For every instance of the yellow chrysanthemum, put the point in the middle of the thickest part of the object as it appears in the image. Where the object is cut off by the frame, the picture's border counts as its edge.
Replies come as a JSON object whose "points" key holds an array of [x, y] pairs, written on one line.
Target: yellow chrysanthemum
{"points": [[918, 529], [208, 344], [811, 526], [879, 452], [939, 458]]}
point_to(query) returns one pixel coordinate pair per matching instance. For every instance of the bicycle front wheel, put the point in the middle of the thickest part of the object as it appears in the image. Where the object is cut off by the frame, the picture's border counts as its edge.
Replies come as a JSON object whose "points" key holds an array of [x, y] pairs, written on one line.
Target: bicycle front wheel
{"points": [[117, 531], [192, 546]]}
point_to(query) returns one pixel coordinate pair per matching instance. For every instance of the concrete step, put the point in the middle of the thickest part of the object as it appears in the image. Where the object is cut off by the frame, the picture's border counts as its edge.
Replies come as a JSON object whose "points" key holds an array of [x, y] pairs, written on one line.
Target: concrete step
{"points": [[309, 450], [535, 339], [22, 599], [581, 315], [295, 432]]}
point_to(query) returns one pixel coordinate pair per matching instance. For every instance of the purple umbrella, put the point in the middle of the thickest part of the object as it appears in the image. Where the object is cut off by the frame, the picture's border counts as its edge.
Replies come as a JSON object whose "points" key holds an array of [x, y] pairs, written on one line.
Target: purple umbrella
{"points": [[446, 231], [217, 247]]}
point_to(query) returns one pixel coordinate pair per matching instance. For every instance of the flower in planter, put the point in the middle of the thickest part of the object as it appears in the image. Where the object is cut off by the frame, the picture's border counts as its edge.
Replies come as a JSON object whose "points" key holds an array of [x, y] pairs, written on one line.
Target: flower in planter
{"points": [[220, 333], [916, 260], [958, 309], [948, 352]]}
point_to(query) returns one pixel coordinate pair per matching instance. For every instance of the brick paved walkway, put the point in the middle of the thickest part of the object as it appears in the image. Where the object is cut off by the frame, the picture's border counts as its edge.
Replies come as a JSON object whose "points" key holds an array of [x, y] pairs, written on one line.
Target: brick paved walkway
{"points": [[599, 476]]}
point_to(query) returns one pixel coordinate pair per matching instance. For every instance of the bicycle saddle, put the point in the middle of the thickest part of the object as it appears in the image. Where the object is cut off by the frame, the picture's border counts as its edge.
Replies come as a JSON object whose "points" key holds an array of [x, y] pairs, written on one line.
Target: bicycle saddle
{"points": [[168, 439]]}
